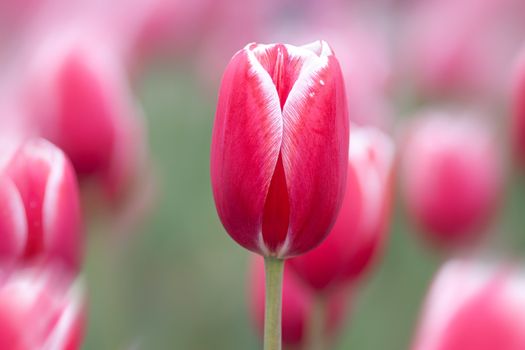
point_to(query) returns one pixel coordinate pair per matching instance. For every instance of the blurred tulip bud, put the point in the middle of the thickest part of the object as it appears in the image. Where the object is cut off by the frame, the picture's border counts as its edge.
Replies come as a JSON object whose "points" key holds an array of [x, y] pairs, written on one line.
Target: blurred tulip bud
{"points": [[297, 306], [474, 306], [362, 224], [41, 309], [518, 126], [40, 216], [78, 97], [452, 176], [280, 147]]}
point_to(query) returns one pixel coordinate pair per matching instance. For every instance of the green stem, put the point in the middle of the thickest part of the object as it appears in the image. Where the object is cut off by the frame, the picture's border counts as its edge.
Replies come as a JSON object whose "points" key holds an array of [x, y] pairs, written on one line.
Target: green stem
{"points": [[274, 294], [317, 324]]}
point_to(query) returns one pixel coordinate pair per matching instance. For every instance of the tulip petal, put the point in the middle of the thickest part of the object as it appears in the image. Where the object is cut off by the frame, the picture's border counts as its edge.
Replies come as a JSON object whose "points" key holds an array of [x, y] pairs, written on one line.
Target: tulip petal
{"points": [[61, 210], [49, 192], [86, 129], [246, 142], [13, 225], [314, 145], [30, 174], [276, 216]]}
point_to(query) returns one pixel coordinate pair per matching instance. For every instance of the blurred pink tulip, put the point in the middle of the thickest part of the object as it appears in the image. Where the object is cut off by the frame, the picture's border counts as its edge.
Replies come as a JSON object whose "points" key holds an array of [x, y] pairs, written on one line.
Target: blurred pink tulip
{"points": [[40, 216], [280, 147], [40, 309], [362, 223], [297, 306], [452, 176], [474, 306], [518, 126], [78, 97]]}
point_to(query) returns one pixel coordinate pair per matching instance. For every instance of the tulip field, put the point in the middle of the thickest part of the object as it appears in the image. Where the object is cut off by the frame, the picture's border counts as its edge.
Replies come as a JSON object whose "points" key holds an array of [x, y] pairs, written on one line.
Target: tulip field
{"points": [[212, 299], [277, 175]]}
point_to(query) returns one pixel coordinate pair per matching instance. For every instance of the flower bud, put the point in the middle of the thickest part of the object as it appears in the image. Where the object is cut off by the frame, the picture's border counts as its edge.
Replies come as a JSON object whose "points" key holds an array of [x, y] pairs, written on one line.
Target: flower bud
{"points": [[473, 306], [280, 147], [39, 206], [78, 98], [362, 223], [452, 176]]}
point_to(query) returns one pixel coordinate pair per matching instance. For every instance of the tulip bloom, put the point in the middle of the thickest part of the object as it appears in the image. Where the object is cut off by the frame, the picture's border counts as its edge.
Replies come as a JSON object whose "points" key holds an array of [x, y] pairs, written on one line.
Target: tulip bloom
{"points": [[40, 216], [452, 176], [362, 224], [297, 306], [40, 309], [519, 109], [78, 97], [473, 306], [280, 147]]}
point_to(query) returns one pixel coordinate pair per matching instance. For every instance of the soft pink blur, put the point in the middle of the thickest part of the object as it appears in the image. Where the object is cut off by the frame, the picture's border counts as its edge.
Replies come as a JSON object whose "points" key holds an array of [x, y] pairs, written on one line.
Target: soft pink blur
{"points": [[76, 94], [451, 175], [41, 218], [297, 306], [40, 309], [459, 47], [360, 41], [474, 306]]}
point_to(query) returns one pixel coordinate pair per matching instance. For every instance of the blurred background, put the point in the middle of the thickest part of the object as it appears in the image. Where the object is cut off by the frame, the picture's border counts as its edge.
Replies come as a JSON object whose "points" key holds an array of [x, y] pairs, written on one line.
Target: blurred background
{"points": [[167, 275]]}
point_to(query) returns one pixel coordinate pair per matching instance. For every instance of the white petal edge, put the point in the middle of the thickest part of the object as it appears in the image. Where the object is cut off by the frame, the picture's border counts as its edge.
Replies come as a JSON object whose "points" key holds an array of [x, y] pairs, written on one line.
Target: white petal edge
{"points": [[17, 209], [51, 155], [274, 108]]}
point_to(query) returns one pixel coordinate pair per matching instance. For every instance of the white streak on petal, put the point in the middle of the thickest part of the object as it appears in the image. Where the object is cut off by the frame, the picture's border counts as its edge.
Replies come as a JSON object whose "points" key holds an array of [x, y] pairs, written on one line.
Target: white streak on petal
{"points": [[17, 209], [301, 91], [285, 247], [271, 95], [74, 302], [262, 246], [56, 161]]}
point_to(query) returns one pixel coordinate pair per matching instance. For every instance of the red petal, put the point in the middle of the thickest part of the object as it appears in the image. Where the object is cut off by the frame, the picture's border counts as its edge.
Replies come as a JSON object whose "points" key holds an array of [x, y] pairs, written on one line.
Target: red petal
{"points": [[86, 124], [276, 215], [314, 146], [245, 147], [13, 225]]}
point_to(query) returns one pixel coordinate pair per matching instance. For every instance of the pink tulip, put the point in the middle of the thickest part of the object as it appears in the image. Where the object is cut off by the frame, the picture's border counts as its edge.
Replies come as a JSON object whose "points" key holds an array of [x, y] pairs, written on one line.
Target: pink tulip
{"points": [[474, 306], [40, 309], [77, 95], [518, 126], [452, 176], [297, 306], [40, 216], [280, 147], [362, 224]]}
